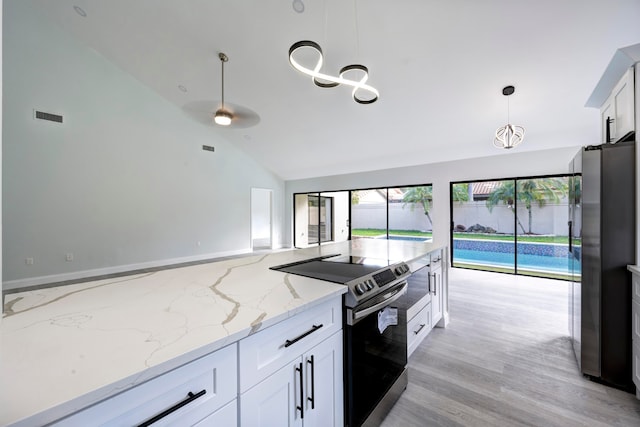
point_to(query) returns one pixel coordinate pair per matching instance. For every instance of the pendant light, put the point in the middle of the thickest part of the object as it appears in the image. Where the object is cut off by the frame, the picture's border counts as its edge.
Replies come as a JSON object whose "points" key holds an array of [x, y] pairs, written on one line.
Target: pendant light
{"points": [[222, 117], [508, 136], [354, 75]]}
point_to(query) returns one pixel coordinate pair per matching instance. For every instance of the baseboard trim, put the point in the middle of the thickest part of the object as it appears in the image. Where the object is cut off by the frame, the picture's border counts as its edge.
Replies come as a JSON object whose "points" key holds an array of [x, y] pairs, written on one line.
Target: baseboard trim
{"points": [[98, 273]]}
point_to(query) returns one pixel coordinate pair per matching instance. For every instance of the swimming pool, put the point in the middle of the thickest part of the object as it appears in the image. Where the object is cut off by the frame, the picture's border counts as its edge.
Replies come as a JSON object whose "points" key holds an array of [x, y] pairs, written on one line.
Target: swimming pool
{"points": [[548, 258]]}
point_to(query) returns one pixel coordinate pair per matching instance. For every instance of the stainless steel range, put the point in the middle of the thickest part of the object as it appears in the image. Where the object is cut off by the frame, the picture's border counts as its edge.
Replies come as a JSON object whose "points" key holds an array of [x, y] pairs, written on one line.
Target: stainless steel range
{"points": [[375, 335]]}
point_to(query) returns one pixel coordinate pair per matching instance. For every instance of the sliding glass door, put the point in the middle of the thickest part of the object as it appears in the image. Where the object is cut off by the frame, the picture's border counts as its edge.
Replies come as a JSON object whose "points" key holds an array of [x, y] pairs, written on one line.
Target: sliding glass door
{"points": [[394, 213], [543, 213], [320, 218], [483, 225], [514, 225]]}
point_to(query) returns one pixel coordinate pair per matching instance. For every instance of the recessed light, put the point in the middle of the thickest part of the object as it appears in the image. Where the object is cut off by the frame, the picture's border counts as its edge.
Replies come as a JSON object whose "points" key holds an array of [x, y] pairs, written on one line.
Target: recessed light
{"points": [[182, 88], [80, 11], [298, 6]]}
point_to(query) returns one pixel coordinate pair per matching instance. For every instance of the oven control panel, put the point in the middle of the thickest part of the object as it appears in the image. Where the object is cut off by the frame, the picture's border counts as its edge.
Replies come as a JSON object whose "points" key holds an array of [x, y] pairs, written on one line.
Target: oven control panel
{"points": [[367, 286]]}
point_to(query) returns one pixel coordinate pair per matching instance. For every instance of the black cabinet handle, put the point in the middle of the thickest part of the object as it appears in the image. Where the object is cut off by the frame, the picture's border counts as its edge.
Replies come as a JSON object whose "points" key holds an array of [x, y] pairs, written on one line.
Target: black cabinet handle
{"points": [[312, 399], [301, 407], [608, 136], [435, 285], [190, 398], [287, 343], [422, 325]]}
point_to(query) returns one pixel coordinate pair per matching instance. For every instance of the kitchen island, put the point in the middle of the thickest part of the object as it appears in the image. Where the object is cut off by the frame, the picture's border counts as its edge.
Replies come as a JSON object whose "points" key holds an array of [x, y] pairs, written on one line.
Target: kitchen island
{"points": [[65, 348]]}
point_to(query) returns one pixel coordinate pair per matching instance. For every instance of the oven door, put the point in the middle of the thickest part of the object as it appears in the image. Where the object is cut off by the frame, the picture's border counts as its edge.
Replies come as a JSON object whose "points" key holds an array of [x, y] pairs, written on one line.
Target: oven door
{"points": [[374, 360]]}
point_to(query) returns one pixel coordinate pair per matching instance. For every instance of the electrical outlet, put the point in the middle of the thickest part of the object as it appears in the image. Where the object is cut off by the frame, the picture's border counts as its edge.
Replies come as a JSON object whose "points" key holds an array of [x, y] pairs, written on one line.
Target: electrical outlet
{"points": [[69, 257], [29, 261]]}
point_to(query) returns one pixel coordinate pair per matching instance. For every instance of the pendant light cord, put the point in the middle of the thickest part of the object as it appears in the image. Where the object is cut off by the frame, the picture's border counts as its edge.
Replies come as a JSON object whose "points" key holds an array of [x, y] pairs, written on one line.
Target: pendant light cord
{"points": [[355, 18]]}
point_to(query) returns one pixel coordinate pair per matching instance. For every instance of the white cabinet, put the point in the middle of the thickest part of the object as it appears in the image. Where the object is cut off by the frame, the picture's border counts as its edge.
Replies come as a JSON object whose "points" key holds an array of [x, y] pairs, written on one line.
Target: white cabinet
{"points": [[436, 287], [186, 395], [227, 416], [306, 392], [418, 328], [291, 373], [617, 114], [426, 297]]}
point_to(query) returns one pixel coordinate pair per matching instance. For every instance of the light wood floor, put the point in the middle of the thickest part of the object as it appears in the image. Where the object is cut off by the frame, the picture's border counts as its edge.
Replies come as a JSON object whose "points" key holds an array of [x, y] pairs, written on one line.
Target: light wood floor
{"points": [[505, 360]]}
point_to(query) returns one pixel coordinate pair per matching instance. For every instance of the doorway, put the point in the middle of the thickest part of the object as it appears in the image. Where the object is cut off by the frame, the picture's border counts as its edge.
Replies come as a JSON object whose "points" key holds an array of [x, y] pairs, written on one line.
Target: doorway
{"points": [[261, 230]]}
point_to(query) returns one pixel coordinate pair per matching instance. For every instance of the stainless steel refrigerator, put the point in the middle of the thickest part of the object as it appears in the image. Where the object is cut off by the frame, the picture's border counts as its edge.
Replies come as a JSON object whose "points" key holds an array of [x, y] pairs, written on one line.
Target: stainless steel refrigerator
{"points": [[602, 243]]}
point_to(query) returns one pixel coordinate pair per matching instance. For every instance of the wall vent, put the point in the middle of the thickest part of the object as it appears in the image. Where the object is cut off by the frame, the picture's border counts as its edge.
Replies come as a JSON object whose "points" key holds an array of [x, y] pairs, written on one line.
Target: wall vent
{"points": [[208, 148], [48, 116]]}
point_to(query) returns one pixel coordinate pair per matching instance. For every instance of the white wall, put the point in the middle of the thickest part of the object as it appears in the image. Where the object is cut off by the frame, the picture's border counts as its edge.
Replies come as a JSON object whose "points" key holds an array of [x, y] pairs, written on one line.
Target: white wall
{"points": [[518, 164], [123, 182], [1, 298], [552, 218], [402, 216]]}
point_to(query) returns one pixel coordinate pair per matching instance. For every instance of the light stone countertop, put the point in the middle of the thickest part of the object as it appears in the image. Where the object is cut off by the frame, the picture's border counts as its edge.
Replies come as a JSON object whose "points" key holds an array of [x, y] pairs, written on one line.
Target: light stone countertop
{"points": [[65, 348]]}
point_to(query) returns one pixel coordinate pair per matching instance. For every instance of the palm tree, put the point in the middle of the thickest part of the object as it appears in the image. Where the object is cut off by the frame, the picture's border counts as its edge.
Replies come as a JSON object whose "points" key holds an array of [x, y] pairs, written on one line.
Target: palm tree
{"points": [[460, 192], [419, 195], [530, 191]]}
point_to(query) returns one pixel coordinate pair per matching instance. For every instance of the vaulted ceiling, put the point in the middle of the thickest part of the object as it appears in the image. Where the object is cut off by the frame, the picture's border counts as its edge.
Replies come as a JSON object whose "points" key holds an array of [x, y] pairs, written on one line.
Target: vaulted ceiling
{"points": [[439, 65]]}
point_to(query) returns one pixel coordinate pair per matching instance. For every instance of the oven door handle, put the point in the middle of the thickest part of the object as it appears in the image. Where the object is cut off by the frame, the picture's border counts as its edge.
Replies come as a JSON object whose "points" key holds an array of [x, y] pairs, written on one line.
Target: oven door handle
{"points": [[389, 297]]}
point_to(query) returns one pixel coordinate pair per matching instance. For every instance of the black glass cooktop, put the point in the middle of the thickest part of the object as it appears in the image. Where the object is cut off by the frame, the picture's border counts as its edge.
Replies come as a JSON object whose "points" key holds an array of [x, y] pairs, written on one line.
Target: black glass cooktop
{"points": [[335, 268]]}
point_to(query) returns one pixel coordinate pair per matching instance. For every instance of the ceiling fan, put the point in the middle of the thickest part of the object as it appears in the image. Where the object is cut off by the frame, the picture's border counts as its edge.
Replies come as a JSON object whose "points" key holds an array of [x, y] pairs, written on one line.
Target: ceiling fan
{"points": [[224, 114]]}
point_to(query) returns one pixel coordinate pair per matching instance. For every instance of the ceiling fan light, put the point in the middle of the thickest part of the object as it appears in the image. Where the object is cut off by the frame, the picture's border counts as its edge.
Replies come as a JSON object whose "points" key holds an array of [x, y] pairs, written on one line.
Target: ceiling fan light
{"points": [[222, 118]]}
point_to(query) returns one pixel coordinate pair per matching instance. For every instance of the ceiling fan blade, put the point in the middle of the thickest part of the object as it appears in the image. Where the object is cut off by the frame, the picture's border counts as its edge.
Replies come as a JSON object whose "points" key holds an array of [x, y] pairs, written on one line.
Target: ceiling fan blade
{"points": [[203, 111]]}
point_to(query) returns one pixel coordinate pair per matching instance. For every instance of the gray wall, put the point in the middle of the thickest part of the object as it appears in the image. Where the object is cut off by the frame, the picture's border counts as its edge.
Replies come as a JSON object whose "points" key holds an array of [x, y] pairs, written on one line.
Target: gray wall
{"points": [[518, 164], [123, 182]]}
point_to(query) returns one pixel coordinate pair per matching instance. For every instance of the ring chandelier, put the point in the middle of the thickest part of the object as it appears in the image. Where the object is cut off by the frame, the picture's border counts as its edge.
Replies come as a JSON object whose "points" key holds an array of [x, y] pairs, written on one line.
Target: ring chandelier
{"points": [[508, 136], [352, 75]]}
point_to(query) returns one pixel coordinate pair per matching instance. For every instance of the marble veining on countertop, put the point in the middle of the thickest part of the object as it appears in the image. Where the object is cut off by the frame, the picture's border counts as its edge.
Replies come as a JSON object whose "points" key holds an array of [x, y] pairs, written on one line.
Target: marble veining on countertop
{"points": [[63, 348]]}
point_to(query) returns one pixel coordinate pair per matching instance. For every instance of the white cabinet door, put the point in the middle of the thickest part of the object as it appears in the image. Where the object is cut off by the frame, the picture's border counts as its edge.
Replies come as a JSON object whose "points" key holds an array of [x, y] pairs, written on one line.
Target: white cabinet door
{"points": [[436, 287], [608, 121], [619, 109], [324, 384], [274, 401], [307, 392], [418, 328], [437, 298]]}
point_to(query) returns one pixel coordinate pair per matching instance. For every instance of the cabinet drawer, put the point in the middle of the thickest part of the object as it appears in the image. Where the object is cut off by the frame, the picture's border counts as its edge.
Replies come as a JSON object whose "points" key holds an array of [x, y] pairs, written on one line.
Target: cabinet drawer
{"points": [[418, 328], [264, 352], [635, 321], [227, 416], [213, 378], [635, 289]]}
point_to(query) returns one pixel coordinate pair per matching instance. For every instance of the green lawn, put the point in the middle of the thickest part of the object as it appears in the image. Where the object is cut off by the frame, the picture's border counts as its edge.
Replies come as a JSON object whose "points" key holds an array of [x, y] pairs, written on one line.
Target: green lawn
{"points": [[375, 232]]}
